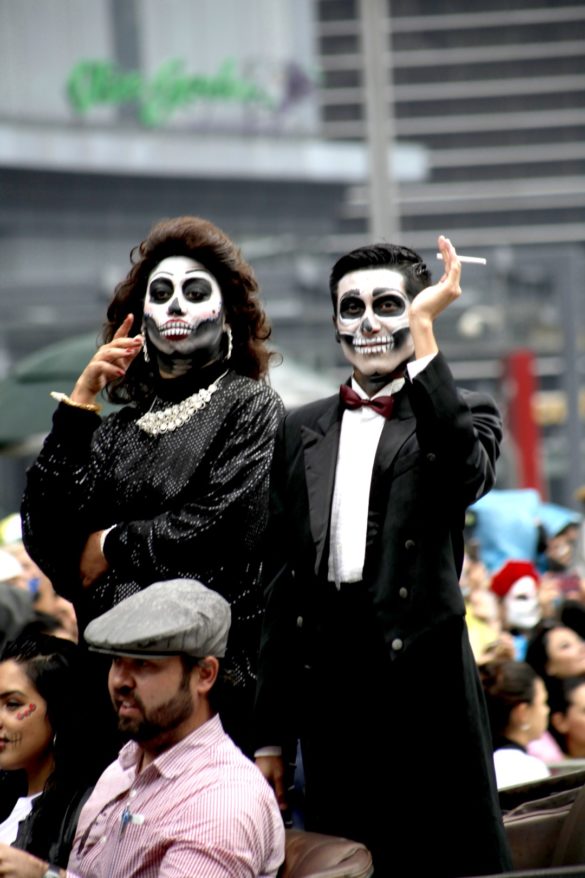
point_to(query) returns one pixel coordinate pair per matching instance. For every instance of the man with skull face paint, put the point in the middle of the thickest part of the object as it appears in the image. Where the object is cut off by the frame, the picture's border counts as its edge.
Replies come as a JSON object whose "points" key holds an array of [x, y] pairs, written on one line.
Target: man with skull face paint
{"points": [[174, 485], [363, 603]]}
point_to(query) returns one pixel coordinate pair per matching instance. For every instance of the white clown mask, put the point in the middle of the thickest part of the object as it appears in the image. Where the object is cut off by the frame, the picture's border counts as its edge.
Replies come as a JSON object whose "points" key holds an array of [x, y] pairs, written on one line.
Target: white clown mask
{"points": [[183, 310], [372, 320], [521, 606]]}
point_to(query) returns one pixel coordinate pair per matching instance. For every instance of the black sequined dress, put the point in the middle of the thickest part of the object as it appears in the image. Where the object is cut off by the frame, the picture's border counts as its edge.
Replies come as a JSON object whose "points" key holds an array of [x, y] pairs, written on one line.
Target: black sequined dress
{"points": [[190, 502]]}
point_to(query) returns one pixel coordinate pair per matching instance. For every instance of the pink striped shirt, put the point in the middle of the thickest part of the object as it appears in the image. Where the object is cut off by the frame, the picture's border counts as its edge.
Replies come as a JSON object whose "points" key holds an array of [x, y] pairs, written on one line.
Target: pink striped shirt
{"points": [[199, 809]]}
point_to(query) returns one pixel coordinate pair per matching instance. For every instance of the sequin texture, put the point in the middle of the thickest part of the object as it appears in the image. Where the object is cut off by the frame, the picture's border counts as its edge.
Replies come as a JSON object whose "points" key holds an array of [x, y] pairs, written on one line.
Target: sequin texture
{"points": [[190, 502]]}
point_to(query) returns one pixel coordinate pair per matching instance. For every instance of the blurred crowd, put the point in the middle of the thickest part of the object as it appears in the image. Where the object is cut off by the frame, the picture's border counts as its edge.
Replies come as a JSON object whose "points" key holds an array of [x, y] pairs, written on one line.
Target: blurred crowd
{"points": [[526, 623], [28, 600]]}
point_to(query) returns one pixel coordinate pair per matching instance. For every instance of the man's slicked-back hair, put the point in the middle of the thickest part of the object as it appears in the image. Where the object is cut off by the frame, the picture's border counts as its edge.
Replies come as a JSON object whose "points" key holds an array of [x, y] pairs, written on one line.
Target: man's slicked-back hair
{"points": [[402, 259]]}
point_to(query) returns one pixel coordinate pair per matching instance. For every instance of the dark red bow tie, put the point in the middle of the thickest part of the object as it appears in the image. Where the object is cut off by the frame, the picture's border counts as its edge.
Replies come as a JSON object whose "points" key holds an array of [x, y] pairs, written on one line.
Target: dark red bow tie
{"points": [[351, 400]]}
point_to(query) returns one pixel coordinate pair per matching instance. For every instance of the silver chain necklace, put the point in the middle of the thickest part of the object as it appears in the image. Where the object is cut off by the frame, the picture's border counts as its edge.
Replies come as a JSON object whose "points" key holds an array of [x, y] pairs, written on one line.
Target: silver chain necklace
{"points": [[174, 416]]}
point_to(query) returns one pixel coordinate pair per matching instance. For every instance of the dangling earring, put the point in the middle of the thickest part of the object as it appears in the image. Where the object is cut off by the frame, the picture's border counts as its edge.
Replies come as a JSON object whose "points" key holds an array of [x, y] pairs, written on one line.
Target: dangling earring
{"points": [[54, 741], [230, 341], [144, 348]]}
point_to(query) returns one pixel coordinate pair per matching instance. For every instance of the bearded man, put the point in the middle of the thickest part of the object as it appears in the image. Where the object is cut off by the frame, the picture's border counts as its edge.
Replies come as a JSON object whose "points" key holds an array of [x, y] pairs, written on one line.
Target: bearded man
{"points": [[364, 654], [181, 800]]}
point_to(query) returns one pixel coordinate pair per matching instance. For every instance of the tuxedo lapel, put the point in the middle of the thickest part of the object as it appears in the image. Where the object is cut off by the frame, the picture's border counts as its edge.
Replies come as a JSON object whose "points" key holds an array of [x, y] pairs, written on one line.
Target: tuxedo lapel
{"points": [[320, 447], [394, 434]]}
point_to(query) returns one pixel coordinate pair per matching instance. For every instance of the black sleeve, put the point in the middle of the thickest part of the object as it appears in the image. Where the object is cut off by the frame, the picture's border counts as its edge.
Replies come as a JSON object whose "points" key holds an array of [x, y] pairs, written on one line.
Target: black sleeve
{"points": [[59, 490]]}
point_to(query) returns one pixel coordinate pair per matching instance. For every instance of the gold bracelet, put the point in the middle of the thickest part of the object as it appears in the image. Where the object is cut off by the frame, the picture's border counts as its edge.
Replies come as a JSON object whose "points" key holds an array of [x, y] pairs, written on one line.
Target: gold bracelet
{"points": [[86, 406]]}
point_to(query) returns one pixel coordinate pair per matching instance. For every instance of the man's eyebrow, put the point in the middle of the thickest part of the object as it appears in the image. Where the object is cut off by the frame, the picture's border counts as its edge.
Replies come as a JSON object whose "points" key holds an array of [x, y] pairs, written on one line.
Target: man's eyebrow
{"points": [[380, 290], [377, 292]]}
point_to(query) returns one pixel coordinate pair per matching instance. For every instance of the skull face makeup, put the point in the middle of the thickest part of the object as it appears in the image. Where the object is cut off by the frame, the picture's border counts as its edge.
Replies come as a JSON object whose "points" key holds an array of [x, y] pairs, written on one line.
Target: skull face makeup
{"points": [[372, 321], [521, 606], [183, 315]]}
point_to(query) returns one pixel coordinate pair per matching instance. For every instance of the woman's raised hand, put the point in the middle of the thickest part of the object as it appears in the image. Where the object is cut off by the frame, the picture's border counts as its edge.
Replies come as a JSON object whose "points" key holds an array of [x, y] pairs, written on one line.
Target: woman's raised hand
{"points": [[109, 362]]}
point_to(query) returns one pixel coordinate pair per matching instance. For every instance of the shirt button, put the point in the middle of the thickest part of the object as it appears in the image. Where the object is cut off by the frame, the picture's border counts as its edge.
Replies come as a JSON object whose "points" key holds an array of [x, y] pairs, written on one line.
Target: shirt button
{"points": [[133, 794], [299, 621], [103, 839], [431, 458], [403, 593], [410, 544], [397, 644]]}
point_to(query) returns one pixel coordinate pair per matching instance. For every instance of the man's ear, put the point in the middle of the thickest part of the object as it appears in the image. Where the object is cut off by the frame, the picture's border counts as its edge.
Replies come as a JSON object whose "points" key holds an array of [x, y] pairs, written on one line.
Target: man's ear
{"points": [[337, 336], [208, 669]]}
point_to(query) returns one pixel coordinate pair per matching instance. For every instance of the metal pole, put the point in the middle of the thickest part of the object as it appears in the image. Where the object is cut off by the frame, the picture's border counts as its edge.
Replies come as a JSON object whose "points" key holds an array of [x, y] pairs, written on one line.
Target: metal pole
{"points": [[571, 292], [384, 215]]}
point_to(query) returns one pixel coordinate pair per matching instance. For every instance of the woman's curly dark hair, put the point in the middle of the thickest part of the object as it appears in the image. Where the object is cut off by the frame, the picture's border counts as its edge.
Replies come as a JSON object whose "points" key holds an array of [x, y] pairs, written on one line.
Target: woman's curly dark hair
{"points": [[198, 239]]}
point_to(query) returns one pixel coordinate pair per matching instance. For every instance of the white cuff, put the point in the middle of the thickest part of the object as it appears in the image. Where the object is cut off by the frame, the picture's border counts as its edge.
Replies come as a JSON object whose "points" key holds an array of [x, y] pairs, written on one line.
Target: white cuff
{"points": [[103, 537], [415, 367]]}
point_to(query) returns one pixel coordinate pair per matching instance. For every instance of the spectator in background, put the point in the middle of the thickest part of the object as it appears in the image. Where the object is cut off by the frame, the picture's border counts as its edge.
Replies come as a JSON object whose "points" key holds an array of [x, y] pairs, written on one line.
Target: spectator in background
{"points": [[518, 712], [561, 563], [567, 719], [556, 651], [16, 611], [489, 641], [46, 601], [516, 584], [11, 571], [484, 625], [45, 746]]}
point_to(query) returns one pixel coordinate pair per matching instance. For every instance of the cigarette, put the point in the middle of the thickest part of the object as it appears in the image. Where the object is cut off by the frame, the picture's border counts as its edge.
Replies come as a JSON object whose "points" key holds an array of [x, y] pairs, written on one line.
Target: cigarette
{"points": [[475, 260]]}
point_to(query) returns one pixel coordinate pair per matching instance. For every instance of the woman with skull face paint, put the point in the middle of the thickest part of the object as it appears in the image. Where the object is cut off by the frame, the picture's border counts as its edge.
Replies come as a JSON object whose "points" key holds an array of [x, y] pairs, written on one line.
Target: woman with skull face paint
{"points": [[174, 484]]}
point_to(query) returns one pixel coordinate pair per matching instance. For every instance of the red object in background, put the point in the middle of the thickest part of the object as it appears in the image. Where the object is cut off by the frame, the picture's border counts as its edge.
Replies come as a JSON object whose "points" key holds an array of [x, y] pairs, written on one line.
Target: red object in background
{"points": [[521, 382], [509, 573]]}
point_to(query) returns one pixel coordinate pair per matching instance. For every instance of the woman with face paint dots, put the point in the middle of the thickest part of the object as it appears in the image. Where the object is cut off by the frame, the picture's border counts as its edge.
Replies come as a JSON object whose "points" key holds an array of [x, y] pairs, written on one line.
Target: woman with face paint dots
{"points": [[175, 483], [46, 767]]}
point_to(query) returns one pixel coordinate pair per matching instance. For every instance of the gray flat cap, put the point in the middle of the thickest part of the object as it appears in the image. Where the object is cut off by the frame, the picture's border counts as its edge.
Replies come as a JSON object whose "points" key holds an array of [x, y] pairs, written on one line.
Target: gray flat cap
{"points": [[167, 618]]}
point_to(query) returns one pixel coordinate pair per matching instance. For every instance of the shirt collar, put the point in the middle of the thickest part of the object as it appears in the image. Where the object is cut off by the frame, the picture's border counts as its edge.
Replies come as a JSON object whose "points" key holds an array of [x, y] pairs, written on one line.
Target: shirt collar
{"points": [[388, 390], [176, 759]]}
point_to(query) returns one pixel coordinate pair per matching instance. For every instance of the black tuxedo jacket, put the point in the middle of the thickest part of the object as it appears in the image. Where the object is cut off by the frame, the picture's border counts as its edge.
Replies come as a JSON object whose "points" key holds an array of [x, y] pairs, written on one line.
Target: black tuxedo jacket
{"points": [[435, 457]]}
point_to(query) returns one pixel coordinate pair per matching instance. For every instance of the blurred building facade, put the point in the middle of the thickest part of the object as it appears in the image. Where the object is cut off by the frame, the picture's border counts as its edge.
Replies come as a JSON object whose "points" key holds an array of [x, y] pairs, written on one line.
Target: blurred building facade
{"points": [[114, 114], [494, 92]]}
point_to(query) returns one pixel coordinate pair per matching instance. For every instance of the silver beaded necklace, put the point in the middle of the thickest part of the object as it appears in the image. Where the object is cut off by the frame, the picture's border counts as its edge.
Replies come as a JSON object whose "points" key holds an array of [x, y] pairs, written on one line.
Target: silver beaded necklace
{"points": [[174, 416]]}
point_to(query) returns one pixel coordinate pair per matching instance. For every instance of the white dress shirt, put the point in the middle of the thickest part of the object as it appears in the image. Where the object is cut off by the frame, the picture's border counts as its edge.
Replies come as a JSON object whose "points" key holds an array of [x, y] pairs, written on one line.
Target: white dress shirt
{"points": [[21, 810], [361, 429]]}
